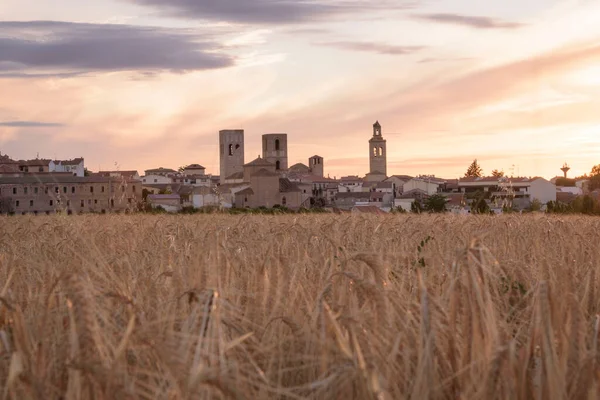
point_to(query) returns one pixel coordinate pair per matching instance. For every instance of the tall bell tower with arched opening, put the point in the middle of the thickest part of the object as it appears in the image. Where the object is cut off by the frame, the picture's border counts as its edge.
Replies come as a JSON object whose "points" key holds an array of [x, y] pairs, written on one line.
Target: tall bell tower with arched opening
{"points": [[377, 151], [275, 150]]}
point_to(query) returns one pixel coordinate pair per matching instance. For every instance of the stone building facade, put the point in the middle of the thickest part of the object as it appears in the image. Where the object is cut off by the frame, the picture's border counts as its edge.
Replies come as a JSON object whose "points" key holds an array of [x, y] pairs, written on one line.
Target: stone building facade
{"points": [[316, 166], [377, 152], [231, 152], [275, 150], [51, 193]]}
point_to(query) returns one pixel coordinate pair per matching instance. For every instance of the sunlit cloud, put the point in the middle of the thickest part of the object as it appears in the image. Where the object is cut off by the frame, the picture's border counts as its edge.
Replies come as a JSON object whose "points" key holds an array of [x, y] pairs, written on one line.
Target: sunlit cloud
{"points": [[470, 21]]}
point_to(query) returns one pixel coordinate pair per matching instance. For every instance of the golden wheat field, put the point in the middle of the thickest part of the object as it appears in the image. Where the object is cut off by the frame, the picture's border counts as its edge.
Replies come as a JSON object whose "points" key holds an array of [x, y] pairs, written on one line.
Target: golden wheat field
{"points": [[299, 307]]}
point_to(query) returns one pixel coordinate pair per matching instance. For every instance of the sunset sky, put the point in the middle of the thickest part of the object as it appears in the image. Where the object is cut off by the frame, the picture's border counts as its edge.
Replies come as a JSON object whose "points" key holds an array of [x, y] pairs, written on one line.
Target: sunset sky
{"points": [[136, 84]]}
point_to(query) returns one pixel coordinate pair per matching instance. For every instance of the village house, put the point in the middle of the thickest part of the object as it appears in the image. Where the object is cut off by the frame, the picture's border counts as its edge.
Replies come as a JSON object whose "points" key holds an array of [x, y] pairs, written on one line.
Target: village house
{"points": [[194, 169], [428, 185], [399, 181], [168, 202], [520, 191], [405, 200], [351, 183], [75, 166], [156, 179], [347, 200]]}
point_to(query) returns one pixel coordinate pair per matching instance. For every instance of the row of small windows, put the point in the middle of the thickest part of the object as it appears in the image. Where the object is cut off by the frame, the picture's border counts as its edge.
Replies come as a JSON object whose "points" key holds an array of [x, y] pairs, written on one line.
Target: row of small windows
{"points": [[65, 189], [82, 203]]}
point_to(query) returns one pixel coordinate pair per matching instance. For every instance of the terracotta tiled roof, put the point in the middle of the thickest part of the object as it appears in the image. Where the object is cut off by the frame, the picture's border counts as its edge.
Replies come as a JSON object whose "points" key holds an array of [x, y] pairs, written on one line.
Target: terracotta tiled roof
{"points": [[299, 167], [227, 187], [401, 177], [160, 170], [34, 163], [287, 186], [265, 172], [351, 178], [75, 161], [259, 162], [8, 168], [237, 175], [195, 166], [247, 191]]}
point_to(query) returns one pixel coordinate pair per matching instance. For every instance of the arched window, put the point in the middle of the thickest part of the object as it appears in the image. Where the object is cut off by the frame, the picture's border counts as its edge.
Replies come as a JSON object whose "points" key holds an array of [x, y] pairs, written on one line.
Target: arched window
{"points": [[230, 149], [374, 151], [277, 145], [283, 201], [380, 151], [278, 165]]}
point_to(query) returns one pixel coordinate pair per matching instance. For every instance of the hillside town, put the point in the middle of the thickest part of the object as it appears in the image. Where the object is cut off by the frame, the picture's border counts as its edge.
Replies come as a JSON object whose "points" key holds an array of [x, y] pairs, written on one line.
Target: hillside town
{"points": [[45, 186]]}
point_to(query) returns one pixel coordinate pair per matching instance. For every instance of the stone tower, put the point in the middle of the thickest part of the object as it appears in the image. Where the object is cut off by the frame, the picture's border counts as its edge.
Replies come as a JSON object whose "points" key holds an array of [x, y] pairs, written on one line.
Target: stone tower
{"points": [[315, 163], [377, 151], [275, 150], [231, 152]]}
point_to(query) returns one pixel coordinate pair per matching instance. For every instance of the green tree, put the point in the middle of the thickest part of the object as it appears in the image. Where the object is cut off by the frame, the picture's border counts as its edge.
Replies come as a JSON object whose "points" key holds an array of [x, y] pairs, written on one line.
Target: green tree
{"points": [[595, 178], [436, 203], [536, 205], [416, 207], [86, 172], [181, 169], [566, 182], [474, 170], [480, 206], [497, 174]]}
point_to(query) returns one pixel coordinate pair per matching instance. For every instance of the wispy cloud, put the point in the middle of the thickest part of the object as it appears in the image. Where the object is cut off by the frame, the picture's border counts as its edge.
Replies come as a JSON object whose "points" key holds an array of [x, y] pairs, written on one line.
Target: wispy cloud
{"points": [[273, 12], [379, 48], [478, 22], [50, 47], [448, 59], [29, 124]]}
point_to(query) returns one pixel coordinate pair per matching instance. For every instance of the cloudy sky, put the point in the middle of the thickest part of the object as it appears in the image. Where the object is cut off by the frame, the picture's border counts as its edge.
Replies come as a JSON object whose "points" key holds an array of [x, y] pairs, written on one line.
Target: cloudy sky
{"points": [[135, 84]]}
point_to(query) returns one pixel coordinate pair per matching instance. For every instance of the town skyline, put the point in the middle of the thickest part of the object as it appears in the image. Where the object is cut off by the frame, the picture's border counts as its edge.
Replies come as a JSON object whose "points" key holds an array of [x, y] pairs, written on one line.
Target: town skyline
{"points": [[513, 170], [134, 84]]}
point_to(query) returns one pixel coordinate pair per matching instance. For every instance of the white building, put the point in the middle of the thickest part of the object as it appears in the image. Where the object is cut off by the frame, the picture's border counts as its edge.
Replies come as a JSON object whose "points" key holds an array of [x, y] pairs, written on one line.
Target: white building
{"points": [[158, 179], [205, 197], [194, 169], [428, 186], [75, 166], [516, 188], [542, 190], [350, 184]]}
